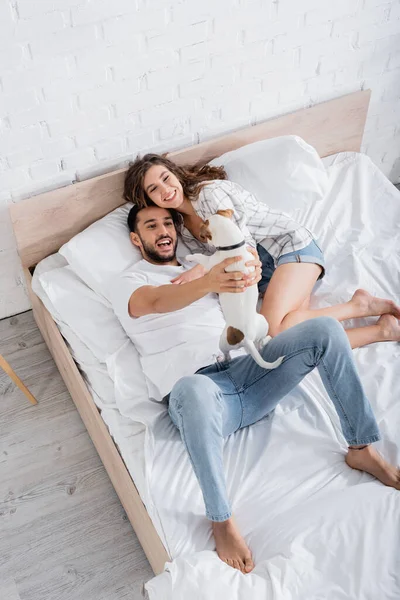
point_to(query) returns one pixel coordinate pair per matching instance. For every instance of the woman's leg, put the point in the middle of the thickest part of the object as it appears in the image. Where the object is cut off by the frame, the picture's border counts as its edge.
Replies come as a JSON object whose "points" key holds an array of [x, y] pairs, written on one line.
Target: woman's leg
{"points": [[291, 286], [386, 329]]}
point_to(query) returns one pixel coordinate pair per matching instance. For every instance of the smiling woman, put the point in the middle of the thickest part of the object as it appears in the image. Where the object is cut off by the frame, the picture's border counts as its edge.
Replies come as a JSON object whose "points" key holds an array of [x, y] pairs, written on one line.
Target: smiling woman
{"points": [[163, 187], [156, 179]]}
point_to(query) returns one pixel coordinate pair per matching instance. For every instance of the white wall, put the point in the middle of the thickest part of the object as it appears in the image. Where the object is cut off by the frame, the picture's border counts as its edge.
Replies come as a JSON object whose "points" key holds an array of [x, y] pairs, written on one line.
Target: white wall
{"points": [[91, 83]]}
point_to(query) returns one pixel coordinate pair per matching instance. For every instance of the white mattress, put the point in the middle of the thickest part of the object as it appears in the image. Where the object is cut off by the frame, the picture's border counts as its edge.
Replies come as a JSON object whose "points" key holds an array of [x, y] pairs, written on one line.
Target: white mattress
{"points": [[317, 529]]}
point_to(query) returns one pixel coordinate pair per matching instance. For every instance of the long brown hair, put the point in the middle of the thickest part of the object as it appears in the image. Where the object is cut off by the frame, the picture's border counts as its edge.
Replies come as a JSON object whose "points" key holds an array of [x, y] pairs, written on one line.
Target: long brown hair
{"points": [[191, 177]]}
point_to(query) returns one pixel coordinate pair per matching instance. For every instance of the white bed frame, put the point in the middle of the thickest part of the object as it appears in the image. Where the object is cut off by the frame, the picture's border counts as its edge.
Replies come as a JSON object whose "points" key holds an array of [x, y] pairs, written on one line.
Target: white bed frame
{"points": [[42, 224]]}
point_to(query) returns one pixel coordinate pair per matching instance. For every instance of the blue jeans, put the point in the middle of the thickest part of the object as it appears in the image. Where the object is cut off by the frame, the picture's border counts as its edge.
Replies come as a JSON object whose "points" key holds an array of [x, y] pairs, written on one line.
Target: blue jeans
{"points": [[311, 254], [223, 397]]}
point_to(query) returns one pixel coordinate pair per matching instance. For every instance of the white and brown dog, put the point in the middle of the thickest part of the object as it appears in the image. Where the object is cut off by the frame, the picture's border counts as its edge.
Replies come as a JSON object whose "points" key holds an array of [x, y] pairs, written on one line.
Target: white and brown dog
{"points": [[244, 326]]}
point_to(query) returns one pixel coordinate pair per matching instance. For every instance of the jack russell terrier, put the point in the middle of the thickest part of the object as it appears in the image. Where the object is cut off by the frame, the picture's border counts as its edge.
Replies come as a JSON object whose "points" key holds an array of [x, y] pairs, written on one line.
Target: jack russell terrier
{"points": [[244, 326]]}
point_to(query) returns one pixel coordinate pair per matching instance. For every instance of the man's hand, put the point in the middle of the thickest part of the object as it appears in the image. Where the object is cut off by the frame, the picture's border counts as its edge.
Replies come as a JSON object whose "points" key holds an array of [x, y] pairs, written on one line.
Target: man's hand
{"points": [[218, 281], [191, 275]]}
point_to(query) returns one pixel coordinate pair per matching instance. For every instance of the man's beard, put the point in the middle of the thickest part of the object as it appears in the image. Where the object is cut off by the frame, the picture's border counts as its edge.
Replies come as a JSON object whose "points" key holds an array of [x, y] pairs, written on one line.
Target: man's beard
{"points": [[152, 252]]}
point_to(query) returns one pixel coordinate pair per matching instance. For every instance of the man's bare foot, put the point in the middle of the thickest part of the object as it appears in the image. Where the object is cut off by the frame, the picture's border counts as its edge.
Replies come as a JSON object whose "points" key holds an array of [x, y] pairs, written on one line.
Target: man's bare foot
{"points": [[369, 460], [231, 547], [390, 328], [371, 306]]}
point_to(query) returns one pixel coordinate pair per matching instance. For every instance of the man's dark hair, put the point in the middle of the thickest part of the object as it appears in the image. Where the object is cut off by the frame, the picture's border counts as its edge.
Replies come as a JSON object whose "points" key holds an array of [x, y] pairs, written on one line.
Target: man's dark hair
{"points": [[133, 213]]}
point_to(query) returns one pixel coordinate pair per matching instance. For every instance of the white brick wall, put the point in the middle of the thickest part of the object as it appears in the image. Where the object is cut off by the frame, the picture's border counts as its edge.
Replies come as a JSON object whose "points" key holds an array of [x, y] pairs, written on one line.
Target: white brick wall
{"points": [[85, 85]]}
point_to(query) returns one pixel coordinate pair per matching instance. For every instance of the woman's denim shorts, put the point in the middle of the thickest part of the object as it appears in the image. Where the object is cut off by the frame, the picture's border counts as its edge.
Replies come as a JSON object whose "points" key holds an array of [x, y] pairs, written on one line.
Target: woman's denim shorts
{"points": [[311, 254]]}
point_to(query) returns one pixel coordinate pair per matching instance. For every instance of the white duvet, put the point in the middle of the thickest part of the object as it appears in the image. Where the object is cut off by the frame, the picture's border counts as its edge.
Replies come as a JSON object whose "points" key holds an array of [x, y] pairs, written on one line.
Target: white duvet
{"points": [[317, 529]]}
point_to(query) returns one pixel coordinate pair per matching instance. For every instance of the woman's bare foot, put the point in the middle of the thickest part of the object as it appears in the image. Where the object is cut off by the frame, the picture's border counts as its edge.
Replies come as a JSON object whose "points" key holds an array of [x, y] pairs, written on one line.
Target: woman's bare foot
{"points": [[371, 306], [231, 547], [390, 328], [369, 460]]}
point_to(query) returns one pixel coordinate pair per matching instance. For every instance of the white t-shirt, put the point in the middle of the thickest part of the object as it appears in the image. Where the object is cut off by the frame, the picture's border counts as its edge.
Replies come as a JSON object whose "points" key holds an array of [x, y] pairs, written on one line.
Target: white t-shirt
{"points": [[171, 345]]}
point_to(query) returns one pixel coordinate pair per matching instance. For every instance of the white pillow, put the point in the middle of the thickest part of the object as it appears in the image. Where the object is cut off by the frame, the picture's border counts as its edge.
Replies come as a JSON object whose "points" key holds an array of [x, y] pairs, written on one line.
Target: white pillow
{"points": [[88, 315], [94, 372], [284, 172], [104, 249], [100, 344], [80, 352], [54, 261]]}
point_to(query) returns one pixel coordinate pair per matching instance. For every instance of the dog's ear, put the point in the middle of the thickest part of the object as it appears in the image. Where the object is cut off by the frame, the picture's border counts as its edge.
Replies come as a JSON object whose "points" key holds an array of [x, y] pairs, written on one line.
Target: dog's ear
{"points": [[205, 233], [228, 212]]}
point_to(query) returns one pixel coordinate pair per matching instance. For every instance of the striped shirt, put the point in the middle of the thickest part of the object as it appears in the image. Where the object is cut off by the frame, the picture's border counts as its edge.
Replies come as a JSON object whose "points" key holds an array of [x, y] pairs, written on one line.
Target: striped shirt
{"points": [[274, 230]]}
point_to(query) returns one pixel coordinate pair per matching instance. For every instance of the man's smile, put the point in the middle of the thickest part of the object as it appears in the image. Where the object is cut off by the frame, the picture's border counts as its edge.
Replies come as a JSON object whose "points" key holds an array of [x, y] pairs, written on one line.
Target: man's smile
{"points": [[164, 243]]}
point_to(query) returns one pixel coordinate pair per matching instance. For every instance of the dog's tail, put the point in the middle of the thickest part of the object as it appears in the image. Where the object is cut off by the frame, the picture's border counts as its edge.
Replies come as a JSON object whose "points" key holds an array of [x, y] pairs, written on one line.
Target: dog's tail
{"points": [[252, 350]]}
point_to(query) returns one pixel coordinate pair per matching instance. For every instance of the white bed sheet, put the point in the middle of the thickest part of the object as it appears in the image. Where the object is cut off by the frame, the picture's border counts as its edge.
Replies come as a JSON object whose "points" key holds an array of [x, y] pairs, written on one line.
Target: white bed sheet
{"points": [[317, 529]]}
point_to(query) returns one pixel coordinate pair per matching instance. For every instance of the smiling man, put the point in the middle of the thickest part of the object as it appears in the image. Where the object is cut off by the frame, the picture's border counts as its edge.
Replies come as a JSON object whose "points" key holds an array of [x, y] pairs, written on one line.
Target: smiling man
{"points": [[182, 316], [176, 330], [158, 240]]}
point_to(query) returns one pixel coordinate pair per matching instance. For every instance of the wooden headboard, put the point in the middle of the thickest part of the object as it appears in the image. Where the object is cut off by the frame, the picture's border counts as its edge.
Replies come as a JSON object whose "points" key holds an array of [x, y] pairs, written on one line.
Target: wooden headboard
{"points": [[42, 224]]}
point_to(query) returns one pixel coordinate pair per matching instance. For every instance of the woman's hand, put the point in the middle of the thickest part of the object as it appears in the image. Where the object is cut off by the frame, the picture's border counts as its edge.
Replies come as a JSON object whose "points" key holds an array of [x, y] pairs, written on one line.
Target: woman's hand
{"points": [[194, 273], [255, 276]]}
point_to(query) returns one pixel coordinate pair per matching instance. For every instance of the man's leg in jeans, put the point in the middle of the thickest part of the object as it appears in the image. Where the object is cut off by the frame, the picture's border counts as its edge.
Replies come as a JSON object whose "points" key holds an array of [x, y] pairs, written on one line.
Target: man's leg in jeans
{"points": [[204, 417], [196, 406], [318, 342], [322, 344]]}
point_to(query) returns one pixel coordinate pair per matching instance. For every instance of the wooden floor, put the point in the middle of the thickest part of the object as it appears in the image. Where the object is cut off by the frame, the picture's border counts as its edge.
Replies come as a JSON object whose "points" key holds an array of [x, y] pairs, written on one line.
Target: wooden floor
{"points": [[63, 532]]}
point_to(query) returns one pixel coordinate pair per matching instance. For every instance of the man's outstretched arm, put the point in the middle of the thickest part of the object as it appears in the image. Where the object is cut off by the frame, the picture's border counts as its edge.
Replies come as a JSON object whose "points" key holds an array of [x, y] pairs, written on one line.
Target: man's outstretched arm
{"points": [[167, 298]]}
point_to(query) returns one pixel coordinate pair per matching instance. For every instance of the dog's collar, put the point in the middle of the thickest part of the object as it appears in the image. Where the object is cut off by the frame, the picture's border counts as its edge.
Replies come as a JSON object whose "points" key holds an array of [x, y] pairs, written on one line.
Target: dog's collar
{"points": [[233, 247]]}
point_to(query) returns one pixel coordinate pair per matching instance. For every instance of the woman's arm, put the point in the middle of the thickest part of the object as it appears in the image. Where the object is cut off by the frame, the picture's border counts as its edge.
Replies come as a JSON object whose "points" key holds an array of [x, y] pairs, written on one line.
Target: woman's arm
{"points": [[191, 275]]}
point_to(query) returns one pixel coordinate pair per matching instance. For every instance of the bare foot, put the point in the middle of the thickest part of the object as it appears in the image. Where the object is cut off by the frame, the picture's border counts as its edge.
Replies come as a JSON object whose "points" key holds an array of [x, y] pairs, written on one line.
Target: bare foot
{"points": [[390, 328], [231, 547], [371, 306], [369, 460]]}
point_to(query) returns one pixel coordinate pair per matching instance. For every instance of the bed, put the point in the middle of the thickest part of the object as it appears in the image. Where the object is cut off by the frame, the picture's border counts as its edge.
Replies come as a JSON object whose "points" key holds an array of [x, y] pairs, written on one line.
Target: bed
{"points": [[44, 223]]}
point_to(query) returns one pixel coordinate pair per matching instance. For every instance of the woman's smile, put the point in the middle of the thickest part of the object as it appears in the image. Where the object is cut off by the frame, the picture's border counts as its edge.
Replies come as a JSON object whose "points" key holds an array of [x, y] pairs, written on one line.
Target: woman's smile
{"points": [[171, 196]]}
